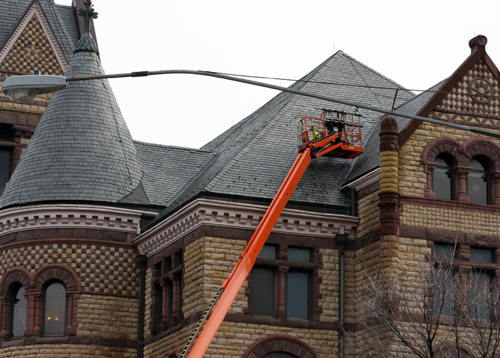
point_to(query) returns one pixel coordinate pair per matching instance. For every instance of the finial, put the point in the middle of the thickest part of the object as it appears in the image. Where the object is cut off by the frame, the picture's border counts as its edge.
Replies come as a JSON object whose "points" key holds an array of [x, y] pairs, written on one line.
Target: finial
{"points": [[478, 42], [87, 14]]}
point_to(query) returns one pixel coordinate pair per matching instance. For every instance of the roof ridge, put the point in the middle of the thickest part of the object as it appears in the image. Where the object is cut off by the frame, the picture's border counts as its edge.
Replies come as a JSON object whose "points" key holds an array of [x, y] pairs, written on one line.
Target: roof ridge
{"points": [[375, 71], [172, 146]]}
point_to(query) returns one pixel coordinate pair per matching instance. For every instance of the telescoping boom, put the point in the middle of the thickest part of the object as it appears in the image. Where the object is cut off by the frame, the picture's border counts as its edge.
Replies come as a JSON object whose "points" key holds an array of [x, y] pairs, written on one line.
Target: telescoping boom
{"points": [[331, 134]]}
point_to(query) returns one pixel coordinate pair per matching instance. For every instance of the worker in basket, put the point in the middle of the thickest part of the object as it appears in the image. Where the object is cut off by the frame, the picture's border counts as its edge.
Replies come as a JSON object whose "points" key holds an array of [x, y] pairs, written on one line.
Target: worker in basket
{"points": [[316, 134]]}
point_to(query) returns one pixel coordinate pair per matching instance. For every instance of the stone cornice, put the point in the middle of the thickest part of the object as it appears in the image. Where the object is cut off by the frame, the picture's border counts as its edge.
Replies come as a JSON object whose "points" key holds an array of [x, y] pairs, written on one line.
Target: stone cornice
{"points": [[73, 216], [365, 181], [241, 216], [36, 10]]}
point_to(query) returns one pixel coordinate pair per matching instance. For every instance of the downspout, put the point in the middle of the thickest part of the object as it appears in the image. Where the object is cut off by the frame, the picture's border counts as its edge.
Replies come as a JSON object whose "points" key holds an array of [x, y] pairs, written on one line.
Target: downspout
{"points": [[141, 260], [341, 240], [354, 204]]}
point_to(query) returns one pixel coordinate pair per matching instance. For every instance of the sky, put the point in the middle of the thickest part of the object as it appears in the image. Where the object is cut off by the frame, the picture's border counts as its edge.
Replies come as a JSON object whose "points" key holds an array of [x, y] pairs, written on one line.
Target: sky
{"points": [[415, 43]]}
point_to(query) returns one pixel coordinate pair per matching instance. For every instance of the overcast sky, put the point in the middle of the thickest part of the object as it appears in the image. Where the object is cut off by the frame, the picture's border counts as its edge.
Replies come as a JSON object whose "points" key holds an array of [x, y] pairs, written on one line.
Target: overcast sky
{"points": [[415, 43]]}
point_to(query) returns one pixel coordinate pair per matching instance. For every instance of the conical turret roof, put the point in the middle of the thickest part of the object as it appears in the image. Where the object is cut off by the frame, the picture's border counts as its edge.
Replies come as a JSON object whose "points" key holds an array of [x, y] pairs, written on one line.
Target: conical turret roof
{"points": [[82, 150]]}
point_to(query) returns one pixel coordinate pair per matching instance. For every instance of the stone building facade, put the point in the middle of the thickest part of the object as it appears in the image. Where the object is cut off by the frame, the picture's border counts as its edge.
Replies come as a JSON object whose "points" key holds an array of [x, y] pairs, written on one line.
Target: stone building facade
{"points": [[126, 243]]}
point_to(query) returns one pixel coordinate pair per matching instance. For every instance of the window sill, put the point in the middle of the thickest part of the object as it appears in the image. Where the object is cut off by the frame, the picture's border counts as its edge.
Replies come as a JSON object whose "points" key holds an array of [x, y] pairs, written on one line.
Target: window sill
{"points": [[293, 323]]}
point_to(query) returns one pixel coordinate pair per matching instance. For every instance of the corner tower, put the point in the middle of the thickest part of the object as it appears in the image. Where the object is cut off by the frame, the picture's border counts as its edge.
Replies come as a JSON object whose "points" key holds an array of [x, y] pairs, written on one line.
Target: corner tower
{"points": [[68, 271]]}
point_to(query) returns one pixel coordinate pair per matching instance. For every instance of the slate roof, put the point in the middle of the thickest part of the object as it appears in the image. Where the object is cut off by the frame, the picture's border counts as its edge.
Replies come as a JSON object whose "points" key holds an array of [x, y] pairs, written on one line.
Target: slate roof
{"points": [[61, 19], [255, 155], [81, 150], [370, 159], [168, 169]]}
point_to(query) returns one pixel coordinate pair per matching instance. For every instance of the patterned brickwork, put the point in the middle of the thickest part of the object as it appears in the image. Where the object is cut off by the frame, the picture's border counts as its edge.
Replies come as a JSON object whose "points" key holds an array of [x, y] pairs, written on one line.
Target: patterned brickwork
{"points": [[67, 351], [450, 220], [369, 214], [101, 269], [477, 92], [233, 339], [107, 317], [32, 51]]}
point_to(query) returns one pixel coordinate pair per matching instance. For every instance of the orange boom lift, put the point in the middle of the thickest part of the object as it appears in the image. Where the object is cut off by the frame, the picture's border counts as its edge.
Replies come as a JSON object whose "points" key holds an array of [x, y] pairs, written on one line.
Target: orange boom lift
{"points": [[334, 133]]}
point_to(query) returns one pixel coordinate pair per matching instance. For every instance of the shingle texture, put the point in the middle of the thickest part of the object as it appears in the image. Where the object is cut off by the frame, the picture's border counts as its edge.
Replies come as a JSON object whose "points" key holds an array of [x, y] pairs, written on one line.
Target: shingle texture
{"points": [[168, 169], [81, 150], [255, 155], [60, 18], [370, 159]]}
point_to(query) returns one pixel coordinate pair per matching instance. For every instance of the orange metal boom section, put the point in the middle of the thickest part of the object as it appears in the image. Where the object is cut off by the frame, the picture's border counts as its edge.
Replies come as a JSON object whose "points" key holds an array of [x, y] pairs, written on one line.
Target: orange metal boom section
{"points": [[232, 285]]}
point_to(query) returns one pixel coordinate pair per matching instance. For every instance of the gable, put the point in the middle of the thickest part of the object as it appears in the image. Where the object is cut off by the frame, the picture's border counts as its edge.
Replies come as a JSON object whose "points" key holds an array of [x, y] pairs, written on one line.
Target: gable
{"points": [[469, 96], [473, 101], [33, 46]]}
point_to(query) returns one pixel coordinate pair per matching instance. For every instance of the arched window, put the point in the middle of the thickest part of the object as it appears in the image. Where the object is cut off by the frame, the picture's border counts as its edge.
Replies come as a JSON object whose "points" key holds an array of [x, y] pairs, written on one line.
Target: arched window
{"points": [[18, 306], [444, 178], [54, 309], [479, 181], [279, 355]]}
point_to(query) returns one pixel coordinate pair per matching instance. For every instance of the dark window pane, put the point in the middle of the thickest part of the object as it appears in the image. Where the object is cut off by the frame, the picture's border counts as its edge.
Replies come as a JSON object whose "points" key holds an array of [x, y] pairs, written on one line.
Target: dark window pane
{"points": [[55, 310], [443, 291], [445, 250], [442, 179], [481, 255], [279, 355], [299, 255], [4, 168], [159, 308], [480, 295], [18, 323], [477, 182], [297, 295], [268, 252], [263, 292]]}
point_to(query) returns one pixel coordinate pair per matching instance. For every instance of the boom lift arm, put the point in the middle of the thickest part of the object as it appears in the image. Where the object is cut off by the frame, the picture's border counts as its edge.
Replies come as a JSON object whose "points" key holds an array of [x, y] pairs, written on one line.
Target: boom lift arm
{"points": [[314, 142]]}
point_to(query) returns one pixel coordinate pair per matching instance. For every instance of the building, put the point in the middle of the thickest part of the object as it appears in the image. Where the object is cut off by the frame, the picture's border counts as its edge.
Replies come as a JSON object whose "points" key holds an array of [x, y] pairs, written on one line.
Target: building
{"points": [[113, 247]]}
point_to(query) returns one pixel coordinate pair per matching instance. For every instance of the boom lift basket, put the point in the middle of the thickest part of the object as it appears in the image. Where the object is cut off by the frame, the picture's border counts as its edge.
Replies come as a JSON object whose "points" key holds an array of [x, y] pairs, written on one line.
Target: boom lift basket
{"points": [[343, 129]]}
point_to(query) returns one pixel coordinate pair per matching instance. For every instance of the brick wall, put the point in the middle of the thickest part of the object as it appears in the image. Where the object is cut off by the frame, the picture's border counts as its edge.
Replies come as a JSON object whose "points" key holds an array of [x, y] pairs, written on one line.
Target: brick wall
{"points": [[369, 214], [66, 351]]}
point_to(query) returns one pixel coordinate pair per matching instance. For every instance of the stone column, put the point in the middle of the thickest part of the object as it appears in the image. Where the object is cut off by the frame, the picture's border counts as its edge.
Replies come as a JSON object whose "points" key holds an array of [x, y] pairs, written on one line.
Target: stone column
{"points": [[4, 310], [389, 194], [164, 304], [462, 173], [496, 187], [281, 292], [175, 299]]}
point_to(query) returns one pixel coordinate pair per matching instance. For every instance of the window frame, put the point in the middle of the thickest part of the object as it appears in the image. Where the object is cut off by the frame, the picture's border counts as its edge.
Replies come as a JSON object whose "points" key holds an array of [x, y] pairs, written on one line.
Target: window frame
{"points": [[167, 282], [44, 308], [282, 265]]}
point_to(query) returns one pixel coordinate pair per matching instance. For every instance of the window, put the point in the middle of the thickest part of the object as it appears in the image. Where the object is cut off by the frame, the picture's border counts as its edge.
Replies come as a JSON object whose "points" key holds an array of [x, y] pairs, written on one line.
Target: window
{"points": [[281, 283], [18, 307], [479, 182], [444, 279], [444, 178], [5, 155], [54, 310], [464, 278], [480, 284], [167, 293], [279, 355]]}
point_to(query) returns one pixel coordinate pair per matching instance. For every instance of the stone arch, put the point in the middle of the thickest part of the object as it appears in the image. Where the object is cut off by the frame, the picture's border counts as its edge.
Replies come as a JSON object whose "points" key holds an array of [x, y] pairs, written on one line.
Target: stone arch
{"points": [[280, 343], [73, 288], [485, 147], [490, 150], [58, 272], [16, 274], [444, 145], [456, 151]]}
